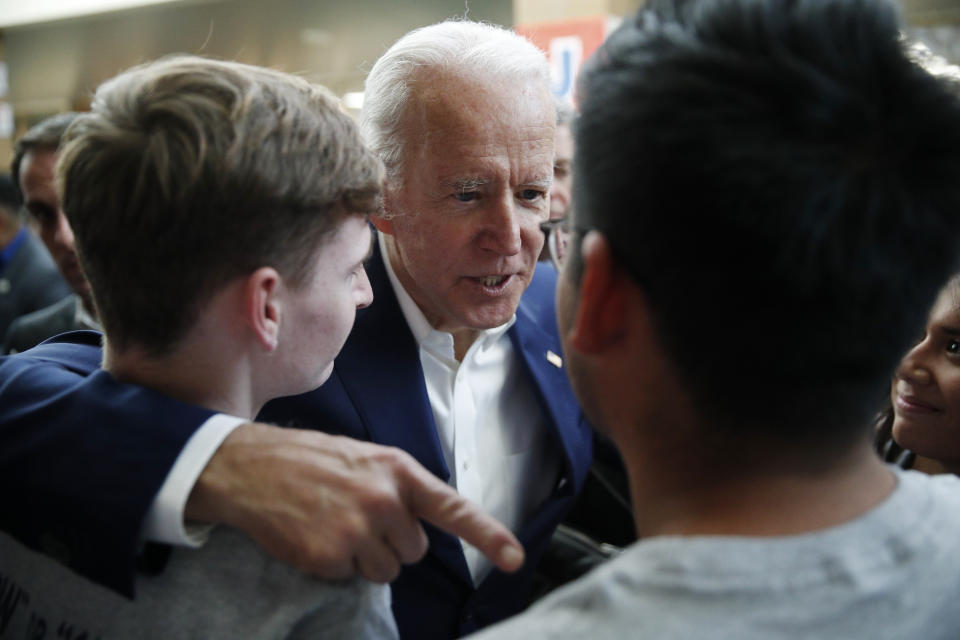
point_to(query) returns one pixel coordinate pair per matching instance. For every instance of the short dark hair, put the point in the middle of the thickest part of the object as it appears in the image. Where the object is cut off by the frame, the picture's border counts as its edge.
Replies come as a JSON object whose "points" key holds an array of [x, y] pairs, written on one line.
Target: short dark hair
{"points": [[189, 172], [783, 182], [46, 135]]}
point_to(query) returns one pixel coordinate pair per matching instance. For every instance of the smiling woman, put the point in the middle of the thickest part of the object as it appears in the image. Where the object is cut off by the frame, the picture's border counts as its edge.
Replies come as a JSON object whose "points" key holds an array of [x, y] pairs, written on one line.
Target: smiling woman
{"points": [[925, 395]]}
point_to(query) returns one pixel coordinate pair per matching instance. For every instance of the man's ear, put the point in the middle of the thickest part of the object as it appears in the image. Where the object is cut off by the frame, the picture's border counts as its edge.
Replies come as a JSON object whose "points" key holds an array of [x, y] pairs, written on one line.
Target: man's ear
{"points": [[599, 320], [263, 305], [382, 222]]}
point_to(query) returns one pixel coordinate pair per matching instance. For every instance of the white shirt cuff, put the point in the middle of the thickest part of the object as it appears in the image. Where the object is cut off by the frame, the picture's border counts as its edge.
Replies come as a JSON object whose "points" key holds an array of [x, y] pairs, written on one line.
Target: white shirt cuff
{"points": [[164, 522]]}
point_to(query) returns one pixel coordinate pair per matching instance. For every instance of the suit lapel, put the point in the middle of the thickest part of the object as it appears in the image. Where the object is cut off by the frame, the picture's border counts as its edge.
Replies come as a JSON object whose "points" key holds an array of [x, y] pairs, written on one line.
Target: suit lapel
{"points": [[380, 369], [541, 353]]}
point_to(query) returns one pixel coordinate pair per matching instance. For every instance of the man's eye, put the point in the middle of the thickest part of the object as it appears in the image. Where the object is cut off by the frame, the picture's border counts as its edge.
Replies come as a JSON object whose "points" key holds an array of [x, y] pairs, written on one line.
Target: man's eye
{"points": [[953, 347], [466, 196], [530, 194]]}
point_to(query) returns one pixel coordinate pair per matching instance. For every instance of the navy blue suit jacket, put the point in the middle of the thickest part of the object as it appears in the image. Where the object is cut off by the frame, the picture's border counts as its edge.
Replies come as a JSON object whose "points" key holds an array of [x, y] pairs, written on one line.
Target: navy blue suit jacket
{"points": [[86, 454], [377, 393], [82, 456]]}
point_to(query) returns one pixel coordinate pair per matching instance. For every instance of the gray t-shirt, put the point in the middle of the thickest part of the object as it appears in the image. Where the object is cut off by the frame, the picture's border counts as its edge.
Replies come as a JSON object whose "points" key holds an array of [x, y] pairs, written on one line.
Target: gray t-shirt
{"points": [[227, 589], [892, 573]]}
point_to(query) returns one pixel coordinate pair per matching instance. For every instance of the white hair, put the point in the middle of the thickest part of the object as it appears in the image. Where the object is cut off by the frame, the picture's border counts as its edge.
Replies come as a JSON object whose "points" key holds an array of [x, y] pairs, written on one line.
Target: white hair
{"points": [[460, 46]]}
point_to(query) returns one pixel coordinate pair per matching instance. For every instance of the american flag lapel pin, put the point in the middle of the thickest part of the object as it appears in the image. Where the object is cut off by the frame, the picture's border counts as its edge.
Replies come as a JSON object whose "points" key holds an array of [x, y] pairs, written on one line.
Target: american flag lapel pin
{"points": [[554, 359]]}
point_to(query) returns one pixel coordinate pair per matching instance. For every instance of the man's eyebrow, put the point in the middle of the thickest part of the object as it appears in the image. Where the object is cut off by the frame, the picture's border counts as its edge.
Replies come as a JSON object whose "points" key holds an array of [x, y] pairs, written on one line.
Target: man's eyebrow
{"points": [[951, 331], [544, 183], [466, 184]]}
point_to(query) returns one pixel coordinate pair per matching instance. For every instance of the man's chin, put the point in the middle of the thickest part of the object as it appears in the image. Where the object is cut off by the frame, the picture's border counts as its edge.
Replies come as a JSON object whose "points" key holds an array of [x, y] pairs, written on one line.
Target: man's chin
{"points": [[324, 375], [490, 319], [492, 313], [310, 383]]}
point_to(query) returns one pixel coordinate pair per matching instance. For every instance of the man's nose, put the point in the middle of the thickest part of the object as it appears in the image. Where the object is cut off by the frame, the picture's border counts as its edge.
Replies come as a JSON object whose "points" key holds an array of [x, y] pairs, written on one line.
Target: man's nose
{"points": [[559, 201], [502, 227], [364, 290], [63, 234]]}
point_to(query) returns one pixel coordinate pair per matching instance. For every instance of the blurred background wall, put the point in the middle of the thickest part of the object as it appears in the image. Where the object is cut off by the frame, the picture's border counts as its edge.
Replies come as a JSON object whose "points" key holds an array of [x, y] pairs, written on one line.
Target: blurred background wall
{"points": [[53, 64]]}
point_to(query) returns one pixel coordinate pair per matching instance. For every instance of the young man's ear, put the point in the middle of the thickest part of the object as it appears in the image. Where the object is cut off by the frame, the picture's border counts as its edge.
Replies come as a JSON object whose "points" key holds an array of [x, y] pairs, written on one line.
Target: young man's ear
{"points": [[263, 305], [599, 319]]}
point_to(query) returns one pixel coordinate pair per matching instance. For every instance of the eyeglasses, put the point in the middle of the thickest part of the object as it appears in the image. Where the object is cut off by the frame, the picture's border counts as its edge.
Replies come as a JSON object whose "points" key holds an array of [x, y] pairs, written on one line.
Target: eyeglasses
{"points": [[557, 234]]}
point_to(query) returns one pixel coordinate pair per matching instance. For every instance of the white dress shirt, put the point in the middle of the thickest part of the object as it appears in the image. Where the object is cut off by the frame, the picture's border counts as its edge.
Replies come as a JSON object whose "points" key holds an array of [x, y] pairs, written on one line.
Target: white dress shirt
{"points": [[164, 521], [490, 425]]}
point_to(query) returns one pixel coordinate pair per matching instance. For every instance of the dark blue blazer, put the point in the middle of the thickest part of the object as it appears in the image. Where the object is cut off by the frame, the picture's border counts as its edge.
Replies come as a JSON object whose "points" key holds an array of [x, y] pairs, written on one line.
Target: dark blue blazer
{"points": [[377, 393], [85, 455], [82, 456]]}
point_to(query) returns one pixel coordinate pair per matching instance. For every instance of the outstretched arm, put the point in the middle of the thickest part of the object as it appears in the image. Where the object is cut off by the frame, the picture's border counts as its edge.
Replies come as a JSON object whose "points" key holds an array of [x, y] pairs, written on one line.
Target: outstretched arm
{"points": [[334, 506], [82, 458]]}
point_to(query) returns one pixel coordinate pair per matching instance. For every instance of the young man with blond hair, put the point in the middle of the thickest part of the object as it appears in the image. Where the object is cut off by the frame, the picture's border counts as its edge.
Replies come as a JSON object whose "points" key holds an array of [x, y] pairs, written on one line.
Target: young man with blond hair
{"points": [[220, 213]]}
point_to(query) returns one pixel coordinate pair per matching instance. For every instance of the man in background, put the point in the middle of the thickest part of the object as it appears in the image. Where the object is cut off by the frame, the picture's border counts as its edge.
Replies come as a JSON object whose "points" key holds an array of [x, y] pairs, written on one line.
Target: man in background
{"points": [[35, 155], [555, 230], [768, 200], [28, 278], [562, 187]]}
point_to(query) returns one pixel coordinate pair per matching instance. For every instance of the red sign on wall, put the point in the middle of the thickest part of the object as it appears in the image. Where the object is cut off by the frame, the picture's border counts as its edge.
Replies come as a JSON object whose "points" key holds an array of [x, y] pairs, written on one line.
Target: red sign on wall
{"points": [[567, 44]]}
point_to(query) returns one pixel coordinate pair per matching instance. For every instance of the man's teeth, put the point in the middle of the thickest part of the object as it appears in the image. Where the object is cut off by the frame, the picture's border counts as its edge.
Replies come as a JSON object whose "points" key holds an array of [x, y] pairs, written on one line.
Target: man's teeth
{"points": [[492, 281]]}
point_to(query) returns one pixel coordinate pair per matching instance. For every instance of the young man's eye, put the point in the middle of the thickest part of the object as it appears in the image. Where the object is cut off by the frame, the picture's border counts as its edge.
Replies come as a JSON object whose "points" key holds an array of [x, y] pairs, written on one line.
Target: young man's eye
{"points": [[953, 347]]}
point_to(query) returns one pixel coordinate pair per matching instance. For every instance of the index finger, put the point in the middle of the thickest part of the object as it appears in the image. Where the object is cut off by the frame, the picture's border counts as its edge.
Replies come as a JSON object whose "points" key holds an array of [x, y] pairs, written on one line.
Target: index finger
{"points": [[436, 502]]}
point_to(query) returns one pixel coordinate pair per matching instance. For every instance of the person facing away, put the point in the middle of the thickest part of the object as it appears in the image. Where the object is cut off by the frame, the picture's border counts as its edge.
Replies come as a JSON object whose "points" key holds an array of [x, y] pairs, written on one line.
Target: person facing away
{"points": [[28, 278], [768, 200], [35, 155], [220, 212], [456, 364]]}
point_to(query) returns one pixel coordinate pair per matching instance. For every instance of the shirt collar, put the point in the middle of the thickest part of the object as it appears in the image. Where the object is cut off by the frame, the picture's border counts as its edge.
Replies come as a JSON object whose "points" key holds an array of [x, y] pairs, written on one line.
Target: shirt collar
{"points": [[422, 331]]}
